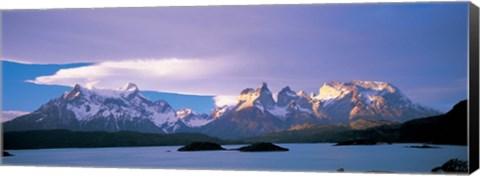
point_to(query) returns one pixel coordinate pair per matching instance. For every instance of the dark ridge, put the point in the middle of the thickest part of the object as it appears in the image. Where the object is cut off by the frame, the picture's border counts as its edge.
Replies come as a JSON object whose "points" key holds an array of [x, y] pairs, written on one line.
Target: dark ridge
{"points": [[80, 139]]}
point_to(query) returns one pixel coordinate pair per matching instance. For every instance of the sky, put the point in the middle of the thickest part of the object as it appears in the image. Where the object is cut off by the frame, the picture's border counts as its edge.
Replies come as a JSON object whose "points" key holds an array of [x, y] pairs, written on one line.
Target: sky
{"points": [[215, 52]]}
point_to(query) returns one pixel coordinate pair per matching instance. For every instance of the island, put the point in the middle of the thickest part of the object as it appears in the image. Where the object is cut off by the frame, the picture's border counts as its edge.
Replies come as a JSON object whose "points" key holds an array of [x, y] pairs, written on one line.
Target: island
{"points": [[424, 146], [5, 154], [201, 146], [262, 147], [357, 142]]}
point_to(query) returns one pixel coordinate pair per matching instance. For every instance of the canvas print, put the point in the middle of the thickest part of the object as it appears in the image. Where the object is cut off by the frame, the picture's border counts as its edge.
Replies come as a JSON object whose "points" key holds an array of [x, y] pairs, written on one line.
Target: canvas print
{"points": [[379, 87]]}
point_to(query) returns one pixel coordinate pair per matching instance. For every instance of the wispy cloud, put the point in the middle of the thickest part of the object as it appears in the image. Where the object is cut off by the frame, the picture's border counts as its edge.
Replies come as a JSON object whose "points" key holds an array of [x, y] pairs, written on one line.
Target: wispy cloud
{"points": [[9, 115], [15, 60]]}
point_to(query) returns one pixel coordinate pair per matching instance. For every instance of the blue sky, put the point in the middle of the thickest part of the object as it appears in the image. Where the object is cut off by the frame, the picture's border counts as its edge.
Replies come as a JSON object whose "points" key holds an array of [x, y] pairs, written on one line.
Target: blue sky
{"points": [[217, 51], [24, 96]]}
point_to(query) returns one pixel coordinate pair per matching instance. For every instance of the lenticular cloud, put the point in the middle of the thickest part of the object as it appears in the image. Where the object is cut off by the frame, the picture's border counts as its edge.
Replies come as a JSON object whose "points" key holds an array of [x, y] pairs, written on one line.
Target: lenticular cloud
{"points": [[185, 76]]}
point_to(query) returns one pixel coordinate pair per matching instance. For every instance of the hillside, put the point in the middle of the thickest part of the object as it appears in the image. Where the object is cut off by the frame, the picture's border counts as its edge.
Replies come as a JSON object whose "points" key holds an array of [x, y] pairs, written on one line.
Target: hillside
{"points": [[69, 139], [449, 128]]}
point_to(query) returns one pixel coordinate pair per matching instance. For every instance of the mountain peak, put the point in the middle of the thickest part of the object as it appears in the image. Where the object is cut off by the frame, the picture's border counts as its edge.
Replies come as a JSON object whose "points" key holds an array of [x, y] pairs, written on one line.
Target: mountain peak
{"points": [[261, 97], [302, 94], [263, 87], [247, 91], [286, 90], [129, 87], [75, 92], [78, 88], [182, 113], [375, 85]]}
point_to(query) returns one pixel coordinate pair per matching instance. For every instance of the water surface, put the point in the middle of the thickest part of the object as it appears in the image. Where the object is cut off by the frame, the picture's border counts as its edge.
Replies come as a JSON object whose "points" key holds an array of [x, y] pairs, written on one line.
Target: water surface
{"points": [[301, 157]]}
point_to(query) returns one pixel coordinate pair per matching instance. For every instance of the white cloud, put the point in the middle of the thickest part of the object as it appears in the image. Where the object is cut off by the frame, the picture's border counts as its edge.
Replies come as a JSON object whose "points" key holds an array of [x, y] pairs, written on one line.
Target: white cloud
{"points": [[16, 61], [185, 76], [223, 78], [222, 100], [9, 115]]}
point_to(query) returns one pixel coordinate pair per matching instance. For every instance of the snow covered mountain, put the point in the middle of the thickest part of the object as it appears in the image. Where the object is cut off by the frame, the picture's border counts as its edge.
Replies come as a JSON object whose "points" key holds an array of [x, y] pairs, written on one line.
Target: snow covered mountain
{"points": [[192, 119], [104, 110], [371, 100], [256, 111], [91, 109]]}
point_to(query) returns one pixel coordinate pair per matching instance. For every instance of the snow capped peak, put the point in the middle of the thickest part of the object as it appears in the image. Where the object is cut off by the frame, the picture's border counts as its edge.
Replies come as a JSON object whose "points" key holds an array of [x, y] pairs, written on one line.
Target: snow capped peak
{"points": [[129, 87], [220, 111], [191, 119], [182, 113], [261, 98], [375, 85], [331, 90], [76, 91], [125, 105], [77, 86]]}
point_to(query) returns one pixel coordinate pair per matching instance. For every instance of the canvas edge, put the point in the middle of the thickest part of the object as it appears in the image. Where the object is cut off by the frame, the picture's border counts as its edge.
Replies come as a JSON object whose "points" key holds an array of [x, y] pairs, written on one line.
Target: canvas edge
{"points": [[473, 100]]}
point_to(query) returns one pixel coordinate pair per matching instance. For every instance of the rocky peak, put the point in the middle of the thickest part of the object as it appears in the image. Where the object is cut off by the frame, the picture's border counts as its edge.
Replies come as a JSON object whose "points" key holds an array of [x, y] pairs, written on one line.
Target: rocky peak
{"points": [[263, 88], [303, 94], [129, 87], [374, 85], [247, 91], [76, 91], [287, 91], [261, 98], [286, 96]]}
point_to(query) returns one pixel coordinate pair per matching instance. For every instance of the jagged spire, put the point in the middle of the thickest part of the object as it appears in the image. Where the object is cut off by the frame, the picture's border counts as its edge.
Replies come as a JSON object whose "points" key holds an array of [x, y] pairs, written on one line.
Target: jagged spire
{"points": [[76, 91], [130, 87], [263, 87]]}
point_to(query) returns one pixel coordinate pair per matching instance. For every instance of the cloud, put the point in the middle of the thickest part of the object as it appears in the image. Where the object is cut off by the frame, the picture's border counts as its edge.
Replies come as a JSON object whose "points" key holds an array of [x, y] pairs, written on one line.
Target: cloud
{"points": [[223, 100], [16, 61], [9, 115], [184, 76]]}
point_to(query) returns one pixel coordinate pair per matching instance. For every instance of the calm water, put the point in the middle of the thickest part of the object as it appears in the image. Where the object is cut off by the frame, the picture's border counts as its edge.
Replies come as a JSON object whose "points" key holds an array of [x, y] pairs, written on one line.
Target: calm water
{"points": [[301, 157]]}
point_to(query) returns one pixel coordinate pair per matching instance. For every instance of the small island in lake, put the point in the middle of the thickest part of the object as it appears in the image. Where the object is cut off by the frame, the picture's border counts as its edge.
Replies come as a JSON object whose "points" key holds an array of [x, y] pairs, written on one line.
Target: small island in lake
{"points": [[262, 147], [424, 146], [201, 146], [357, 142], [5, 154]]}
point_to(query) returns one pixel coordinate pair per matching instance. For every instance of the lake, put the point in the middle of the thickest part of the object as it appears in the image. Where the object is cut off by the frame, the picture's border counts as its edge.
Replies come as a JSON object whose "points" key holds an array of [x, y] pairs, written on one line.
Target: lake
{"points": [[301, 157]]}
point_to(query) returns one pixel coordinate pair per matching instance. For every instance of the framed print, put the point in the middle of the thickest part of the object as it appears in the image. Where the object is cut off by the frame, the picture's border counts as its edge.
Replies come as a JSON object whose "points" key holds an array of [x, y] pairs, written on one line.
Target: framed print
{"points": [[359, 87]]}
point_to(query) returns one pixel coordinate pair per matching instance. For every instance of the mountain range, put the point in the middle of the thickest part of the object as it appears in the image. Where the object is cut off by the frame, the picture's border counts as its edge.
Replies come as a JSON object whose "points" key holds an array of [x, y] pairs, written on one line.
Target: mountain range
{"points": [[257, 112]]}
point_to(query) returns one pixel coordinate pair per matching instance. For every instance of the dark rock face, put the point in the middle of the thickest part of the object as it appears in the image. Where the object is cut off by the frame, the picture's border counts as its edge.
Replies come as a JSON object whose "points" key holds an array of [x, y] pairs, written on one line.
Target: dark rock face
{"points": [[5, 154], [262, 147], [452, 166], [201, 146]]}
